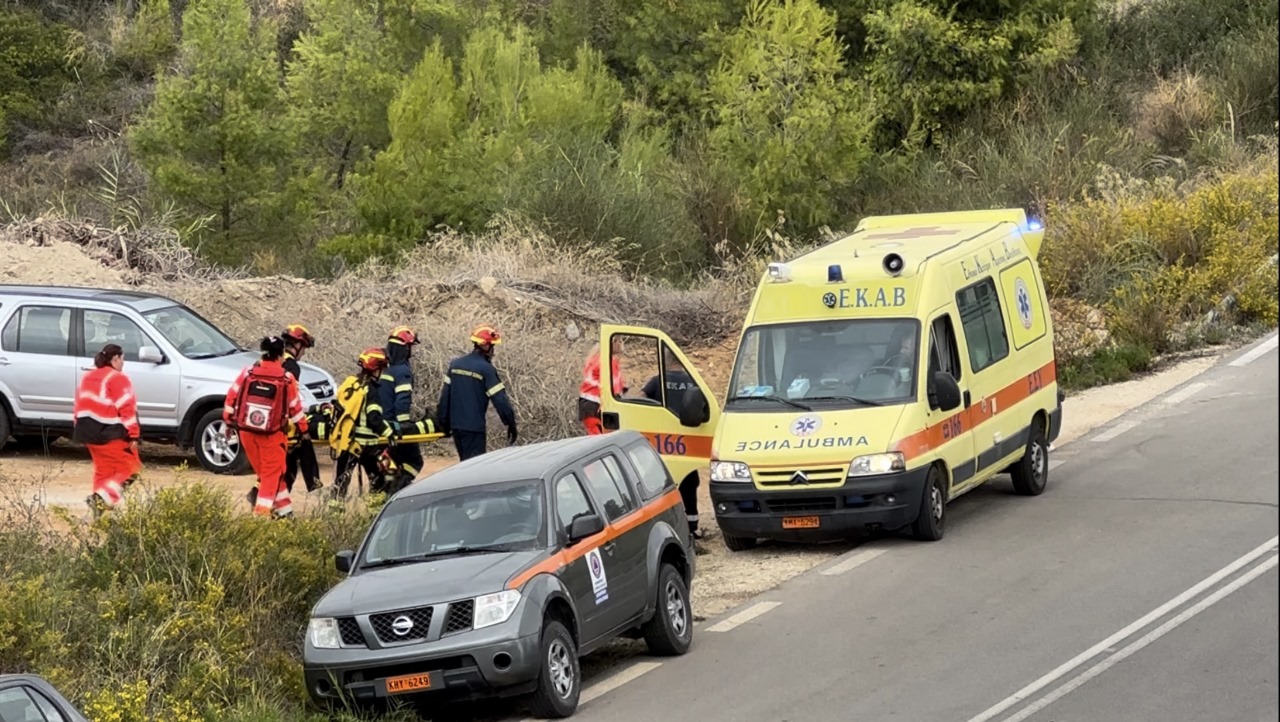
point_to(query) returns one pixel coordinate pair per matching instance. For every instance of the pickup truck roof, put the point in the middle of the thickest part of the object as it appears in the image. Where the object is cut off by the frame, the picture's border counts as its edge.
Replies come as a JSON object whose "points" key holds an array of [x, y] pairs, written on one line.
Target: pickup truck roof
{"points": [[534, 461], [137, 300]]}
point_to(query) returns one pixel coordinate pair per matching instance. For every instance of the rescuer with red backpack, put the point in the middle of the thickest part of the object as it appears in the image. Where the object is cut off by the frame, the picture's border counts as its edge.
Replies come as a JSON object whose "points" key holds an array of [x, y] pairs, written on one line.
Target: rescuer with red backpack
{"points": [[259, 406]]}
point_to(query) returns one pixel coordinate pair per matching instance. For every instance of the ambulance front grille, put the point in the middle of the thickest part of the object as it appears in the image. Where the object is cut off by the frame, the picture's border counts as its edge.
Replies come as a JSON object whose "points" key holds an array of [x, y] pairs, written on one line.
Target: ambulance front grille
{"points": [[787, 477]]}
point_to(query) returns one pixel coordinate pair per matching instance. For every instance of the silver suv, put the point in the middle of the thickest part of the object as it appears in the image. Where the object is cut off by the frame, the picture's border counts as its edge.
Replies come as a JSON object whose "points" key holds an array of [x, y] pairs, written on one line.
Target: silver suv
{"points": [[180, 365]]}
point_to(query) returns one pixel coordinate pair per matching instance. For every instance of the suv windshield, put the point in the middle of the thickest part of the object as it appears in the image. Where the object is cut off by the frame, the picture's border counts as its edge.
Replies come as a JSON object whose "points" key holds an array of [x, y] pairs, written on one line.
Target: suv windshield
{"points": [[499, 517], [193, 336], [844, 363]]}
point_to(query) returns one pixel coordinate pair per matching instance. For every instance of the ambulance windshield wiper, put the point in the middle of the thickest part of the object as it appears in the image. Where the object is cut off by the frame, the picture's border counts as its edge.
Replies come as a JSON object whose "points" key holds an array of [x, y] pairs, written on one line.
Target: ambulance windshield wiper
{"points": [[772, 397], [854, 399]]}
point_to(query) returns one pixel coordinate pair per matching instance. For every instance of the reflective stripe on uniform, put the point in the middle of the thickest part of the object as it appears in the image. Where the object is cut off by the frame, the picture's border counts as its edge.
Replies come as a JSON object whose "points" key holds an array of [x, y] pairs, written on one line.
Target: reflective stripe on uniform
{"points": [[403, 388], [470, 374], [495, 389]]}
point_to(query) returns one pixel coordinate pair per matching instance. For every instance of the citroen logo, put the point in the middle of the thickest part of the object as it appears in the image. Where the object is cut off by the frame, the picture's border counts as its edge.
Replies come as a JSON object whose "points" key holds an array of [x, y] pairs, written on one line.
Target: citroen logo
{"points": [[799, 478], [402, 625]]}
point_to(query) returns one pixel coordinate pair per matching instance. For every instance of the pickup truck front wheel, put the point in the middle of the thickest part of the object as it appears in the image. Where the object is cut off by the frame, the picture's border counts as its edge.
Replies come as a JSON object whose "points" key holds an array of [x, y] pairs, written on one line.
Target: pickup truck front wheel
{"points": [[670, 631], [214, 451], [560, 678]]}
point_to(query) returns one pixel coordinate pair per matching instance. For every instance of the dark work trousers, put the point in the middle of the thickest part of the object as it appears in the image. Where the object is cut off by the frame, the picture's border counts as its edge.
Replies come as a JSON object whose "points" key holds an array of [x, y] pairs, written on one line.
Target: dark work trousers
{"points": [[469, 443], [689, 495], [409, 458], [348, 465], [302, 458]]}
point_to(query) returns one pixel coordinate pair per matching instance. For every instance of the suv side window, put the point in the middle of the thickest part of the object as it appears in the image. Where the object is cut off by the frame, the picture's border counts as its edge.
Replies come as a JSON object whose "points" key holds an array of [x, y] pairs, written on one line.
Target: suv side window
{"points": [[983, 324], [611, 492], [18, 706], [571, 500], [651, 474], [38, 329], [104, 327]]}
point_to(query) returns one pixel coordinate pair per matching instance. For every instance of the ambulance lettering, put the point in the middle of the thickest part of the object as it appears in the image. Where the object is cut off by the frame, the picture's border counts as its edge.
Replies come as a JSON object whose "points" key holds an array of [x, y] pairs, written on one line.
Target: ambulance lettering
{"points": [[826, 442], [866, 298]]}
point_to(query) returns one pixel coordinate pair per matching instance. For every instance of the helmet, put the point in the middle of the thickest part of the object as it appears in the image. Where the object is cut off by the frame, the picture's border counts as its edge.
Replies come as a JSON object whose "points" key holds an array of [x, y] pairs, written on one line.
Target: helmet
{"points": [[297, 333], [403, 335], [486, 335], [373, 360]]}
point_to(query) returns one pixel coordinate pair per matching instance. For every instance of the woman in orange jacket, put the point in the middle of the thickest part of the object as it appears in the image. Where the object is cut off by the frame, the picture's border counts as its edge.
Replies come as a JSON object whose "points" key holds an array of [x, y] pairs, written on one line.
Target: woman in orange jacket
{"points": [[589, 390], [259, 406], [106, 422]]}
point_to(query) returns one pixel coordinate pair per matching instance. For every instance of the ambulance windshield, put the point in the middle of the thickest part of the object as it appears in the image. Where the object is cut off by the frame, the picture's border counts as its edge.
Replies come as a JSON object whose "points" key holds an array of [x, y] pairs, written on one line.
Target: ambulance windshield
{"points": [[826, 364]]}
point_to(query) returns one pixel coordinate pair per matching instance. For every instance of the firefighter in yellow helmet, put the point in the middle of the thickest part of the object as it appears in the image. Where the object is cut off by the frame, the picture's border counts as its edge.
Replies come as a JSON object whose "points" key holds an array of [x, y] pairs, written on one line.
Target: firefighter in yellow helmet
{"points": [[371, 432], [395, 395]]}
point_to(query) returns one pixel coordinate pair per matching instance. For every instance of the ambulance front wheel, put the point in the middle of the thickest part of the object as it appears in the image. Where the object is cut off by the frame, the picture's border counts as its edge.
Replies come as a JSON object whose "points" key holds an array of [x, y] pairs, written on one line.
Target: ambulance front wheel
{"points": [[738, 543], [931, 522], [214, 451]]}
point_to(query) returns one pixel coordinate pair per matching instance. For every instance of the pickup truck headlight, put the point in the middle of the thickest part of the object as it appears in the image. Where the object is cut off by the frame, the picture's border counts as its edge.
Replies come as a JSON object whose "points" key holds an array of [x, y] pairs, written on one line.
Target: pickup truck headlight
{"points": [[323, 632], [875, 464], [496, 608], [730, 471]]}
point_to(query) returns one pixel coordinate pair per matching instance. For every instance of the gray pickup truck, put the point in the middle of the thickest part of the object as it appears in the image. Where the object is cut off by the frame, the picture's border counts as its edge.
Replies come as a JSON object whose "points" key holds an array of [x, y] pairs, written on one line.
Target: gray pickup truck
{"points": [[492, 577], [180, 364]]}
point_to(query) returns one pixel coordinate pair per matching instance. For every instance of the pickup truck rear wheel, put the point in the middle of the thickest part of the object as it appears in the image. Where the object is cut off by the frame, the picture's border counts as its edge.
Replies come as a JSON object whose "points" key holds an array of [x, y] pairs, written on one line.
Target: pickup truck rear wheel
{"points": [[670, 631], [559, 678], [214, 451]]}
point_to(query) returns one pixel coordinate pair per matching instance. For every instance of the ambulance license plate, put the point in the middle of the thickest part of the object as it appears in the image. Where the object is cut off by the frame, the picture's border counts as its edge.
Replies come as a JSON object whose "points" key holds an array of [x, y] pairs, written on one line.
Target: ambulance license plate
{"points": [[408, 683], [801, 522]]}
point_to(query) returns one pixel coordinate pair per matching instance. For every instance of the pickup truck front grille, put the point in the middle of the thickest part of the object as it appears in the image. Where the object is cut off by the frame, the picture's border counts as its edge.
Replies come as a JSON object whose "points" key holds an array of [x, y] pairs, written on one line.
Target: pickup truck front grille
{"points": [[349, 629], [385, 625], [461, 617]]}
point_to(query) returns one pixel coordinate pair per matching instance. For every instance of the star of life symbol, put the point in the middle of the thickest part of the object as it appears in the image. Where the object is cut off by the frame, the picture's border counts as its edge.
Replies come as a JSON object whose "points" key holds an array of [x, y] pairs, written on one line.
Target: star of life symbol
{"points": [[805, 425], [1024, 302]]}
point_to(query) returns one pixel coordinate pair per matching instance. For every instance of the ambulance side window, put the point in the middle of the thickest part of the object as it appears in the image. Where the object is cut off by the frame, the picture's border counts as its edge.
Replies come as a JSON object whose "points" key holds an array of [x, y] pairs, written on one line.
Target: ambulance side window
{"points": [[983, 324], [944, 353]]}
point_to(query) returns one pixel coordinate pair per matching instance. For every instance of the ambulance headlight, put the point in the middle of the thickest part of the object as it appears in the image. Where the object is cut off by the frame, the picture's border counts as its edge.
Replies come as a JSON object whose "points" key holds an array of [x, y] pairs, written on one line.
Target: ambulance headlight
{"points": [[730, 471], [876, 464]]}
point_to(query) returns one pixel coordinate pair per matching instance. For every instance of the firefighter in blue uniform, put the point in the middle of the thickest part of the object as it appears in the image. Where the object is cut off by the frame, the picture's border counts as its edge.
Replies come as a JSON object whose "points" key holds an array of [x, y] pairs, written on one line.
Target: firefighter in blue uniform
{"points": [[469, 385], [395, 395]]}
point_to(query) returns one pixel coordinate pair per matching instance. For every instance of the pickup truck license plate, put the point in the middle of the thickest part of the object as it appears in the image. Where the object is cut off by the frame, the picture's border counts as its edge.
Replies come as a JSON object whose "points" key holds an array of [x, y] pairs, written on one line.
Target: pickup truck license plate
{"points": [[801, 522], [408, 683]]}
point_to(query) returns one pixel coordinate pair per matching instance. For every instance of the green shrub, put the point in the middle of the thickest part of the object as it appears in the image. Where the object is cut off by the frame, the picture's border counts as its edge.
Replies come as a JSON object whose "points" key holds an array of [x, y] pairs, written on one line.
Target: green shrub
{"points": [[174, 607], [1108, 365]]}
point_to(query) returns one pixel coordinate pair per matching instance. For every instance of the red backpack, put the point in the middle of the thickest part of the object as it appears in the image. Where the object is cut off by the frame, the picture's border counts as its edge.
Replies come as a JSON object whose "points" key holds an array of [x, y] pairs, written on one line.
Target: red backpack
{"points": [[263, 403]]}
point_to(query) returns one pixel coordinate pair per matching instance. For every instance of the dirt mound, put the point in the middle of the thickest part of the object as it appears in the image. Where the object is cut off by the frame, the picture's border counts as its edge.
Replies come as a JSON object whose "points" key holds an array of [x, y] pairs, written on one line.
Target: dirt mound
{"points": [[548, 303]]}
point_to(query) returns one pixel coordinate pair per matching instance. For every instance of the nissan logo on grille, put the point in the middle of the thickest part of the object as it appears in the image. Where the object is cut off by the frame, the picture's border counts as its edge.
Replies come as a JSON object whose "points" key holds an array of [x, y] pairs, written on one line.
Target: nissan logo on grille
{"points": [[402, 625]]}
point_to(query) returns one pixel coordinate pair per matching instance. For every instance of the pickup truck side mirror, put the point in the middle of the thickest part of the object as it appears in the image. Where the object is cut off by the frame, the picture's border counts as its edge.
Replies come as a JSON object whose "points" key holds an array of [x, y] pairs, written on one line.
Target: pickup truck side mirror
{"points": [[585, 526], [944, 392], [694, 411], [150, 355], [343, 559]]}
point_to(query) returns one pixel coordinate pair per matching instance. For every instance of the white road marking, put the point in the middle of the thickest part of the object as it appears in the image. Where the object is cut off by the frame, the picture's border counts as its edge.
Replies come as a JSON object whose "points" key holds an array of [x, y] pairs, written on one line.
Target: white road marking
{"points": [[1114, 431], [854, 561], [1258, 351], [1110, 642], [1153, 635], [743, 617], [1183, 394], [599, 689]]}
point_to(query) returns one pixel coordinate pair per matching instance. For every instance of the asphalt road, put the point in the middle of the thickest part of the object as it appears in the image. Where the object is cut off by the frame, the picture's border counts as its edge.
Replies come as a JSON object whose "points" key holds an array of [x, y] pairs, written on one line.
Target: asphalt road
{"points": [[1140, 586]]}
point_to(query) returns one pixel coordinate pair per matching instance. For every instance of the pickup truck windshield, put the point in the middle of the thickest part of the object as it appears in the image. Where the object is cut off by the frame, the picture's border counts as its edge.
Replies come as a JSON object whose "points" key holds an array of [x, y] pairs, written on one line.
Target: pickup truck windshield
{"points": [[844, 363], [193, 336], [498, 517]]}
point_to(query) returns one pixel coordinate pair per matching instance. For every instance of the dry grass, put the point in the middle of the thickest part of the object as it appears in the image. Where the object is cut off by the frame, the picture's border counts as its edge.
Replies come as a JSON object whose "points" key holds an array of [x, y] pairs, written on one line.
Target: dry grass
{"points": [[1174, 111]]}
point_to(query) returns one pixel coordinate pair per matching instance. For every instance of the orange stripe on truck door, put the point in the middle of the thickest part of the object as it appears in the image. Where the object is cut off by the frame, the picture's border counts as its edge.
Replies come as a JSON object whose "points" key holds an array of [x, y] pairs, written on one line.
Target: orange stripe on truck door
{"points": [[613, 530], [931, 437]]}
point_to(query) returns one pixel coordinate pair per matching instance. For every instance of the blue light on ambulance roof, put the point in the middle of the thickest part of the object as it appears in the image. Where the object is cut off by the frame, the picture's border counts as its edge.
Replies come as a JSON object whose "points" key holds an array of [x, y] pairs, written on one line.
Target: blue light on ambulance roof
{"points": [[1034, 225], [835, 274]]}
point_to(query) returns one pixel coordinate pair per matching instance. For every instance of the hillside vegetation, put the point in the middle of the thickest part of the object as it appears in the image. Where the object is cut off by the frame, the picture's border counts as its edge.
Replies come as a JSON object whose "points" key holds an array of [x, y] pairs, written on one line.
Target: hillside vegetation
{"points": [[548, 165]]}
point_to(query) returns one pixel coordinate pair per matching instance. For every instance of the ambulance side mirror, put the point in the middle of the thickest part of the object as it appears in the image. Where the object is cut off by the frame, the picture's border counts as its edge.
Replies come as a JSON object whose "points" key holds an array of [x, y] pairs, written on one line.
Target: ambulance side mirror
{"points": [[944, 392], [694, 409]]}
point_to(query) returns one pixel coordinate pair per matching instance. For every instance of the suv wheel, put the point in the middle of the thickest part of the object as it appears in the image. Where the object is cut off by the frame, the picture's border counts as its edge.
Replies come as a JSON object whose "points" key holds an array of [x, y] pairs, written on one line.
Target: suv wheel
{"points": [[560, 678], [4, 426], [670, 631], [216, 452]]}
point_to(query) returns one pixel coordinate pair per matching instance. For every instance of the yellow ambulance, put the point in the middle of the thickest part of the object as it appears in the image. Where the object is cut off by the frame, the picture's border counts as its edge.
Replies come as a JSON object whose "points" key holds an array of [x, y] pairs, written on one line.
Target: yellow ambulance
{"points": [[877, 378]]}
